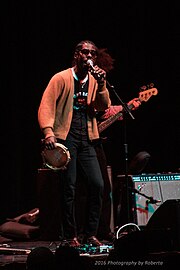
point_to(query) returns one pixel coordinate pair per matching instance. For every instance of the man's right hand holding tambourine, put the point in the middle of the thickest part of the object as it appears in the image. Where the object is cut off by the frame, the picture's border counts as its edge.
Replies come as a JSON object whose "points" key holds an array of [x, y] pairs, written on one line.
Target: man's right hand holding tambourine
{"points": [[50, 142]]}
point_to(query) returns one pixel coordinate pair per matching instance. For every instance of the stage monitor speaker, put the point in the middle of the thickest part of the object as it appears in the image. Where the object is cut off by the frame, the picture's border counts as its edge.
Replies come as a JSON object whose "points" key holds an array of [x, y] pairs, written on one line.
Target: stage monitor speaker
{"points": [[149, 186], [167, 219]]}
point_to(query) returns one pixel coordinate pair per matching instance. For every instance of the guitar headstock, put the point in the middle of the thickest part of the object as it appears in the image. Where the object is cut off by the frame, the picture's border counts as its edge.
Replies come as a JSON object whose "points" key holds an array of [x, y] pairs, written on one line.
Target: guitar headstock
{"points": [[146, 92]]}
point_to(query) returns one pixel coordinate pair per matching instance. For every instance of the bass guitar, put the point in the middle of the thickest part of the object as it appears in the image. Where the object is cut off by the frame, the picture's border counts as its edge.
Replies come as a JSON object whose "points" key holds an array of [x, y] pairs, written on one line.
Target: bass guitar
{"points": [[143, 96]]}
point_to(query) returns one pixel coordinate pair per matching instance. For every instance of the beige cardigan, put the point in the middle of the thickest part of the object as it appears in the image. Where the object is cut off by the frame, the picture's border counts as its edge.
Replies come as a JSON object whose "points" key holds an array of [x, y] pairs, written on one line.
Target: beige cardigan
{"points": [[56, 107]]}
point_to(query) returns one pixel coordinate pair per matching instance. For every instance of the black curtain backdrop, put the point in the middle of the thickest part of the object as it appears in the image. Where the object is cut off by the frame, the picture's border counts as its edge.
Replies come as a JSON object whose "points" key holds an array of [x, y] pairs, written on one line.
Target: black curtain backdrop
{"points": [[37, 40]]}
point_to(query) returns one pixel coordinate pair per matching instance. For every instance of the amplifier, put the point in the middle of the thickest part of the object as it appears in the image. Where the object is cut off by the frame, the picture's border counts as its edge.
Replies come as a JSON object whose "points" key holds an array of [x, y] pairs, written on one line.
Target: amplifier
{"points": [[151, 191]]}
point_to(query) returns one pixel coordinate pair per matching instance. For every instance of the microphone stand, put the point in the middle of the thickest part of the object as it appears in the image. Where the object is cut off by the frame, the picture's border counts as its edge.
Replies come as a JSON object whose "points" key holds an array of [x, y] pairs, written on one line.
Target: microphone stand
{"points": [[127, 110], [150, 199], [125, 107]]}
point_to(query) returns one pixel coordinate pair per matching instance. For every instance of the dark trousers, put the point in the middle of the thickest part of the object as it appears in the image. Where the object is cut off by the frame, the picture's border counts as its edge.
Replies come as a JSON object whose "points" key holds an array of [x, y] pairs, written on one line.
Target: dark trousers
{"points": [[84, 153], [104, 228]]}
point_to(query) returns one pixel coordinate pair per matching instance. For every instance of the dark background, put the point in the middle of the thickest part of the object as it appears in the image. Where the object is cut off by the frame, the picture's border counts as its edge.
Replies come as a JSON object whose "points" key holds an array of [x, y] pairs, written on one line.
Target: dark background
{"points": [[38, 39]]}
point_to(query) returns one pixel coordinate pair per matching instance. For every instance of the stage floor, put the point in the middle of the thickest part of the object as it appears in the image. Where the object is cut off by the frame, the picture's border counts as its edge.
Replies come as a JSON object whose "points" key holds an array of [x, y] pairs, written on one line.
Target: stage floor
{"points": [[13, 256]]}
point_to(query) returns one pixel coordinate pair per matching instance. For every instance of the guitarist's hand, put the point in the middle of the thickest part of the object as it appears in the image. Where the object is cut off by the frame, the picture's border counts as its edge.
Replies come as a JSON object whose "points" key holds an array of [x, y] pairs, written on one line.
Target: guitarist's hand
{"points": [[112, 110], [135, 102]]}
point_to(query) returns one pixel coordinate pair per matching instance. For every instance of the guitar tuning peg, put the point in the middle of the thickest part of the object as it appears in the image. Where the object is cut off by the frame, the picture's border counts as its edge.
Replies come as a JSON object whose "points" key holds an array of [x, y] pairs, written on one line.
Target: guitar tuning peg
{"points": [[143, 88], [151, 85]]}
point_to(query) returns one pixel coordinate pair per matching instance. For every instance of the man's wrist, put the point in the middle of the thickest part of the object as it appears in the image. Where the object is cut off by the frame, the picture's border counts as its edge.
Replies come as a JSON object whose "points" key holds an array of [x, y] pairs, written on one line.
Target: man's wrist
{"points": [[101, 83]]}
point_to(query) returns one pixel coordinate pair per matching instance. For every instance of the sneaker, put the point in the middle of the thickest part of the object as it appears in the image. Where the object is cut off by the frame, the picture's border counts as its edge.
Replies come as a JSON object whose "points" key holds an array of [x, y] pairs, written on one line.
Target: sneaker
{"points": [[73, 242], [92, 240]]}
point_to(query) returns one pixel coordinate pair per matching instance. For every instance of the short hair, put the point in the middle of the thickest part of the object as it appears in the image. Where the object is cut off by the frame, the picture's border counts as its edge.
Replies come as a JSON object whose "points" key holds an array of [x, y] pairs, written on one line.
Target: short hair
{"points": [[80, 44]]}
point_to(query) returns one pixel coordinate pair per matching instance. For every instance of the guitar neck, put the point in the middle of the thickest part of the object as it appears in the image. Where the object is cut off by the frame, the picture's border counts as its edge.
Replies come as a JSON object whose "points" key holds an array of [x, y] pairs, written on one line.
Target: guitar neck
{"points": [[106, 123]]}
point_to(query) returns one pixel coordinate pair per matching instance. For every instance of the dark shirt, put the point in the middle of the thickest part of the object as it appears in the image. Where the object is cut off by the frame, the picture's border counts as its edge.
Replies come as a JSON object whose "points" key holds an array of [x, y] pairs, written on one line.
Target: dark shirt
{"points": [[78, 127]]}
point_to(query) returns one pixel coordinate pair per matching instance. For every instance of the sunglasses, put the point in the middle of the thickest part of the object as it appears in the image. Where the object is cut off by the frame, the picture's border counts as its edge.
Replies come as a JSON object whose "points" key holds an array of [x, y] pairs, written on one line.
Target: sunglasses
{"points": [[86, 52]]}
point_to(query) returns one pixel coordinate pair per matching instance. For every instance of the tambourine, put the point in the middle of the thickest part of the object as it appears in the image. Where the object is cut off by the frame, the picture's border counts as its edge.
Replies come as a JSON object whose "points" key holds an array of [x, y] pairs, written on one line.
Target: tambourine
{"points": [[57, 158]]}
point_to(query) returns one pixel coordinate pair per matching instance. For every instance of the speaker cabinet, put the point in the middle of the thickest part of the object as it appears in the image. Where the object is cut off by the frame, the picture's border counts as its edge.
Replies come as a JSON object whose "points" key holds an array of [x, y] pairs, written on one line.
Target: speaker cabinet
{"points": [[49, 203], [161, 234], [157, 190]]}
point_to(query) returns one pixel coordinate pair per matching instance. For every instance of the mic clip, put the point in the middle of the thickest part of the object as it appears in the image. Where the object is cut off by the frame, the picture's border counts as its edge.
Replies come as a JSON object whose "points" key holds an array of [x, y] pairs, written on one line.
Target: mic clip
{"points": [[151, 200]]}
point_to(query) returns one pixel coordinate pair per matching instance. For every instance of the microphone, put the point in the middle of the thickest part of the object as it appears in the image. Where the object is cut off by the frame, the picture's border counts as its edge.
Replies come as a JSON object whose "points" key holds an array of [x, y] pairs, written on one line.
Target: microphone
{"points": [[91, 65]]}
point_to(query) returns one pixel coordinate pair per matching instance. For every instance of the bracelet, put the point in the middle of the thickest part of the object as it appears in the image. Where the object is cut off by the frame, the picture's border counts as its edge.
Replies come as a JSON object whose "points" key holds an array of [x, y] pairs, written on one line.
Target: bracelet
{"points": [[50, 137]]}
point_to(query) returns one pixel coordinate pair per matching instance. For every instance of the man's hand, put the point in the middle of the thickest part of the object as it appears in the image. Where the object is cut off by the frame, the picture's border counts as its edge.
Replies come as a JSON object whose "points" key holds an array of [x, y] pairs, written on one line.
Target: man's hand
{"points": [[99, 74], [50, 142], [112, 110], [135, 102]]}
